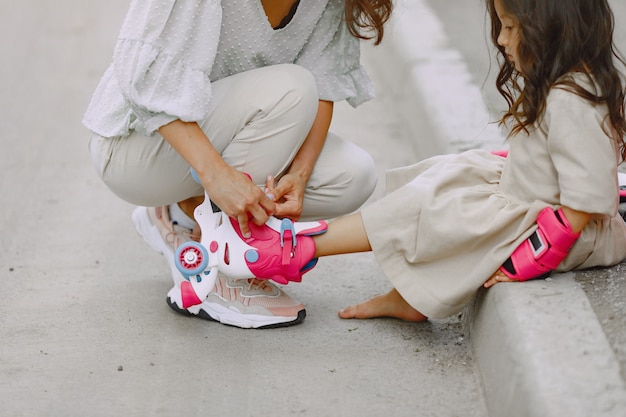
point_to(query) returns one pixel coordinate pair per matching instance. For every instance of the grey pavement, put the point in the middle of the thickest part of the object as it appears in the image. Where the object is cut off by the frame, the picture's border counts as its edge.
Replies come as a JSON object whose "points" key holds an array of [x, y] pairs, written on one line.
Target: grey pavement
{"points": [[84, 325]]}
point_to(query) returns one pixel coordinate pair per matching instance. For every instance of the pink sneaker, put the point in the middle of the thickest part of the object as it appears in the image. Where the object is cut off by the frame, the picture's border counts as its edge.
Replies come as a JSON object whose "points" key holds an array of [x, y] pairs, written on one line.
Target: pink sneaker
{"points": [[244, 303]]}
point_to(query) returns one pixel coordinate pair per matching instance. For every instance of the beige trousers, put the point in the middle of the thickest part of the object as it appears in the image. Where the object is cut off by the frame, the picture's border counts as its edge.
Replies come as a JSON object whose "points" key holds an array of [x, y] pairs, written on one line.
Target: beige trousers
{"points": [[257, 121]]}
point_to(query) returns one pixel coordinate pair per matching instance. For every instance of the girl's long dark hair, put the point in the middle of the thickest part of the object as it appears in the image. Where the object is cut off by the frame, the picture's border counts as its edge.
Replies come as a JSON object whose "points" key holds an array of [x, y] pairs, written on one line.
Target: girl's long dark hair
{"points": [[558, 37], [365, 16]]}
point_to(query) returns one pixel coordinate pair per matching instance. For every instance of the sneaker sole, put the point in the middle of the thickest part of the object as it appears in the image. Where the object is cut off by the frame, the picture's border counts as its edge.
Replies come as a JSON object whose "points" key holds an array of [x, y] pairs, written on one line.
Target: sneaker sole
{"points": [[150, 234], [218, 313]]}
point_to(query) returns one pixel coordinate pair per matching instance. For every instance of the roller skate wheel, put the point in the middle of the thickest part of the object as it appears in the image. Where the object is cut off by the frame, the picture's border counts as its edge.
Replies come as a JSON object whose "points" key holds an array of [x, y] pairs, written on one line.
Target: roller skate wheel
{"points": [[191, 259]]}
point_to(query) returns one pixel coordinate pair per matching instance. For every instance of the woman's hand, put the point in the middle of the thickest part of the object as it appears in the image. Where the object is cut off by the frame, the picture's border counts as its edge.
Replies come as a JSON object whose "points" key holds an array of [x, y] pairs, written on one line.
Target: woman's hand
{"points": [[497, 276], [288, 195], [231, 190], [289, 191], [237, 196]]}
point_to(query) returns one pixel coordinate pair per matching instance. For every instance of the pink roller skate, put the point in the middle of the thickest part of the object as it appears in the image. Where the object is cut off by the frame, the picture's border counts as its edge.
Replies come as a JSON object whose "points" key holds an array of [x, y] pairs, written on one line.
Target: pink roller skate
{"points": [[280, 250]]}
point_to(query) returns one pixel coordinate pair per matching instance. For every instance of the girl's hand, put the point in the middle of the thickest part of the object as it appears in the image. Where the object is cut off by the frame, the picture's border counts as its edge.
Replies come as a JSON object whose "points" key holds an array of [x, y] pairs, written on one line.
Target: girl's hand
{"points": [[288, 195], [498, 276], [572, 224]]}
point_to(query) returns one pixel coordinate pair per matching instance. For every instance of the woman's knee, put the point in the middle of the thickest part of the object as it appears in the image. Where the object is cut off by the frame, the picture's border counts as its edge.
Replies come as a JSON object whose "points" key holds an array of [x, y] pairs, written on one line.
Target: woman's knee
{"points": [[298, 86], [343, 180], [297, 78], [361, 171]]}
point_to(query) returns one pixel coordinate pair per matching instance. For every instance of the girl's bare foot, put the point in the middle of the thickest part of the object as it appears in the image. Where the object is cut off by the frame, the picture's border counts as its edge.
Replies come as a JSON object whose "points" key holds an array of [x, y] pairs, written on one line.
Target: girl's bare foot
{"points": [[386, 305]]}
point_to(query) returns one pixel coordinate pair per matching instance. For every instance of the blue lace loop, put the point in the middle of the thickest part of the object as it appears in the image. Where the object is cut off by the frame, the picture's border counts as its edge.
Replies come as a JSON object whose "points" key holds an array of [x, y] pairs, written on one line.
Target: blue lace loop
{"points": [[194, 175], [285, 225]]}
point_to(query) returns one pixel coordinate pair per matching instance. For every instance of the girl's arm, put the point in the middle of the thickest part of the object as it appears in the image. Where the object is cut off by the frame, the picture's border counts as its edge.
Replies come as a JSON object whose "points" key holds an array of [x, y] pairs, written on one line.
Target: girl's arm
{"points": [[577, 221], [289, 192], [229, 189]]}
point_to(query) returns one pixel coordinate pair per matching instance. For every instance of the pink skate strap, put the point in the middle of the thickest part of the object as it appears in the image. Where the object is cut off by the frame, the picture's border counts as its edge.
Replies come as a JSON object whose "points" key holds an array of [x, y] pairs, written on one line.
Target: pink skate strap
{"points": [[188, 295], [544, 250], [311, 228], [287, 240], [503, 153]]}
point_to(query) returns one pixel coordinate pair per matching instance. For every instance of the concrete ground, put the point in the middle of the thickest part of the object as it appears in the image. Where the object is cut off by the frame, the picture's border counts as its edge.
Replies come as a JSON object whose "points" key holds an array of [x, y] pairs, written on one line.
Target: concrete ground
{"points": [[84, 325]]}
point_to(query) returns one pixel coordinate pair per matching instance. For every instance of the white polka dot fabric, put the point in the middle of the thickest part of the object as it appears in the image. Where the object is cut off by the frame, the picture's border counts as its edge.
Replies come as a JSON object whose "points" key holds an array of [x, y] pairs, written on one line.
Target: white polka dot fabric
{"points": [[168, 53]]}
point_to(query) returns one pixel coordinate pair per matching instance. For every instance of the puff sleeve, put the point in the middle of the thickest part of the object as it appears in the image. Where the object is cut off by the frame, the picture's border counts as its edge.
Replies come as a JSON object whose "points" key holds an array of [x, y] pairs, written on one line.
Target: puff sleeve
{"points": [[583, 155], [332, 55], [161, 66]]}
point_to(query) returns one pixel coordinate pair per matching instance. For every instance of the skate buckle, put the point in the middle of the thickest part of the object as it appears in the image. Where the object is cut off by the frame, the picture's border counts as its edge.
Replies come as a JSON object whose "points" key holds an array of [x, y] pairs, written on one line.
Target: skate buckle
{"points": [[286, 225]]}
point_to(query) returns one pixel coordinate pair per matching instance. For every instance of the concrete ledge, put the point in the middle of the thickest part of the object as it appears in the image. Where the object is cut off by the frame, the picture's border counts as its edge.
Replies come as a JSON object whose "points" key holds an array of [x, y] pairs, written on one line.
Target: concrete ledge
{"points": [[542, 352], [435, 78]]}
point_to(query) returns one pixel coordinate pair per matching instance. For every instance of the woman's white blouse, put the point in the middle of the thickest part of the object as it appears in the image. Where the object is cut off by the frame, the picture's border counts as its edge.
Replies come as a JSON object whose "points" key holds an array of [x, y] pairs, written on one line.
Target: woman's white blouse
{"points": [[169, 51]]}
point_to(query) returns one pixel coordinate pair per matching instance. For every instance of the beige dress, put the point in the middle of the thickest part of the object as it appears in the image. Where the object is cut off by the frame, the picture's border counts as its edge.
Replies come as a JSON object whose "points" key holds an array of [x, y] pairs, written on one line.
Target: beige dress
{"points": [[449, 222]]}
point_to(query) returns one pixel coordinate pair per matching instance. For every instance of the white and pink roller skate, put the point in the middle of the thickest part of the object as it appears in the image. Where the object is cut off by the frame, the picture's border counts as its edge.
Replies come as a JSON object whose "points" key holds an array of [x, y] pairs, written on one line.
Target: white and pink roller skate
{"points": [[280, 250]]}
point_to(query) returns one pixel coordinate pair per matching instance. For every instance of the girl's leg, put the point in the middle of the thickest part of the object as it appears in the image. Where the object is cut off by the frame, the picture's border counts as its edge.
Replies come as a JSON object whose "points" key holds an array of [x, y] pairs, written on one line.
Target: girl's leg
{"points": [[347, 235], [344, 235]]}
